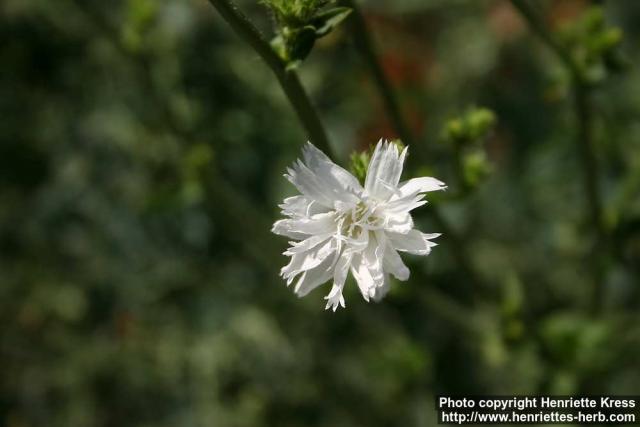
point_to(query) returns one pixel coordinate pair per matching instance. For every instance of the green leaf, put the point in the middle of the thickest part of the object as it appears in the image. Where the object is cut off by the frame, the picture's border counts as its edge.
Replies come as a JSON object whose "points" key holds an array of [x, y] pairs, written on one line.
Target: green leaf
{"points": [[300, 42], [326, 21]]}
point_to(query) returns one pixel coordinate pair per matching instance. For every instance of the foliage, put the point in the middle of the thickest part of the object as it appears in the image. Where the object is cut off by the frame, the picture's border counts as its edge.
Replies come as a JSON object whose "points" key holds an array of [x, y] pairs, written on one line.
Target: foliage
{"points": [[466, 136], [300, 23], [594, 45], [142, 148]]}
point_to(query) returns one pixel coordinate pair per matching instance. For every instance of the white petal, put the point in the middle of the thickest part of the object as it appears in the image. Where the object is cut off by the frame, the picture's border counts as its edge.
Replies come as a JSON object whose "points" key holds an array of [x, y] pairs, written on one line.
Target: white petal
{"points": [[393, 264], [430, 236], [367, 267], [382, 290], [373, 257], [363, 277], [384, 170], [399, 223], [317, 224], [328, 171], [300, 206], [420, 185], [315, 277], [306, 244], [404, 204], [335, 297], [307, 260], [357, 244], [322, 180], [307, 183], [413, 242]]}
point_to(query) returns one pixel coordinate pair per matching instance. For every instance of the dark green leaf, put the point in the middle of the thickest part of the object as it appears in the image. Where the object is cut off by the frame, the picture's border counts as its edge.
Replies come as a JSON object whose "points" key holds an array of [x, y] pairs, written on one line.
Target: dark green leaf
{"points": [[326, 21], [300, 42]]}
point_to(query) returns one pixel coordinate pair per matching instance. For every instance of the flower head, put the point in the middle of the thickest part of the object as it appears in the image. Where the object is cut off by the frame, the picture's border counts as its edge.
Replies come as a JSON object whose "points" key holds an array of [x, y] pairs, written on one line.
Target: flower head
{"points": [[339, 226]]}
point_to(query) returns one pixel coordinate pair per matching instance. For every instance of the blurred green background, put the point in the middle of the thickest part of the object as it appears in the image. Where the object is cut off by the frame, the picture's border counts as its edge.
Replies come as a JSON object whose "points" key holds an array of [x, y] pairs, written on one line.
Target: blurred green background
{"points": [[142, 147]]}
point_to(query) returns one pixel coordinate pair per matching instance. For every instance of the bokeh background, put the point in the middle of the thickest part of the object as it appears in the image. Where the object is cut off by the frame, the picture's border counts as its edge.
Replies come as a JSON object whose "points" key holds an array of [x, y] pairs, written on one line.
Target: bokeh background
{"points": [[142, 147]]}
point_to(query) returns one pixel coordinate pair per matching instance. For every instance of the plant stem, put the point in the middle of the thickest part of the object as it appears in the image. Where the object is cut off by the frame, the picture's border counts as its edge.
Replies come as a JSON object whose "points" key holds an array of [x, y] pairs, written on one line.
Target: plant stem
{"points": [[584, 137], [451, 311], [583, 109], [539, 28], [288, 79], [364, 45]]}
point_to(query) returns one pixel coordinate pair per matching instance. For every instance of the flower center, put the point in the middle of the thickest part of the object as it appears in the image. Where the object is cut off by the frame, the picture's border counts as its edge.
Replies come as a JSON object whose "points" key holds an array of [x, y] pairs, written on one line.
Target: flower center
{"points": [[361, 217]]}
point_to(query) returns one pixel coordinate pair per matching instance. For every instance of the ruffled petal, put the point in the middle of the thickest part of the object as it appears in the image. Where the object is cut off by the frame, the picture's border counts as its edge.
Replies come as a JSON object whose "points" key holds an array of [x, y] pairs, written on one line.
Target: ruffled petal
{"points": [[303, 261], [300, 206], [373, 256], [363, 276], [404, 204], [357, 244], [306, 244], [382, 291], [367, 267], [300, 228], [419, 185], [322, 180], [335, 298], [393, 264], [327, 171], [309, 185], [384, 170], [312, 278], [413, 242], [402, 223]]}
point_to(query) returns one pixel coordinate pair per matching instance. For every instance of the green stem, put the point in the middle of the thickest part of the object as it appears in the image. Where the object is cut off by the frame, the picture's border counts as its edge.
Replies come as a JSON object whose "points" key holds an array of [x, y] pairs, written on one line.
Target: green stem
{"points": [[586, 143], [584, 140], [539, 28], [288, 79], [449, 310], [584, 137], [364, 45]]}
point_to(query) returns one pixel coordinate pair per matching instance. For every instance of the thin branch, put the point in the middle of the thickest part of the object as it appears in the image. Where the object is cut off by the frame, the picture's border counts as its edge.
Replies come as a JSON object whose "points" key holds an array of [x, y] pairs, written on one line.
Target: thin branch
{"points": [[448, 309], [288, 79], [584, 137], [364, 45], [540, 29], [584, 112]]}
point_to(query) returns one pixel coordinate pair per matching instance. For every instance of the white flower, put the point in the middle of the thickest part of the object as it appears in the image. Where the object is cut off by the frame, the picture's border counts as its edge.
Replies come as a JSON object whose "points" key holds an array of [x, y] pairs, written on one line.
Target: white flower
{"points": [[339, 226]]}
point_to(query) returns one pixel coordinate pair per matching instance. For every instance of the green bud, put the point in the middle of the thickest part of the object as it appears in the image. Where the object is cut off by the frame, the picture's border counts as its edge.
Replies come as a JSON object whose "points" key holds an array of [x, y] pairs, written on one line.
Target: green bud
{"points": [[359, 162], [593, 46], [481, 121], [295, 13], [612, 38], [473, 127], [299, 23], [140, 15], [454, 130], [476, 167], [398, 143], [593, 20]]}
